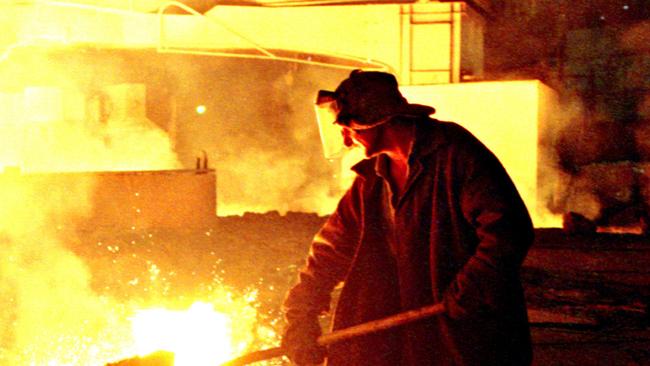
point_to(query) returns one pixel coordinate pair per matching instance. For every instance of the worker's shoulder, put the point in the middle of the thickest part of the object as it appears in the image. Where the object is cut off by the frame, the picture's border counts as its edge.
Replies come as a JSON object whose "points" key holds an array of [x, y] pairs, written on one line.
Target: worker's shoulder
{"points": [[436, 133], [452, 139], [451, 128]]}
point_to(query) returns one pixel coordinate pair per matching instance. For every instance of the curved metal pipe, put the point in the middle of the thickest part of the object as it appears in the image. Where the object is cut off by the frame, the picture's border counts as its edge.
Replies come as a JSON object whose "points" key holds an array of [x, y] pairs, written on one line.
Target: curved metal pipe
{"points": [[161, 12]]}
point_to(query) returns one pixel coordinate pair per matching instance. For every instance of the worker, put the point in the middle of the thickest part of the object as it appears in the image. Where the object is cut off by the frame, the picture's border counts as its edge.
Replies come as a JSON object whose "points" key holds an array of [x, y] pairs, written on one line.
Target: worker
{"points": [[431, 217]]}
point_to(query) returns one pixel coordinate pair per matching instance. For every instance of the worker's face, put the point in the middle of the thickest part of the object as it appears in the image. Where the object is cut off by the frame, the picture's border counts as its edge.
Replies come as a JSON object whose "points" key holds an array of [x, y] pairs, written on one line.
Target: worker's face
{"points": [[367, 139]]}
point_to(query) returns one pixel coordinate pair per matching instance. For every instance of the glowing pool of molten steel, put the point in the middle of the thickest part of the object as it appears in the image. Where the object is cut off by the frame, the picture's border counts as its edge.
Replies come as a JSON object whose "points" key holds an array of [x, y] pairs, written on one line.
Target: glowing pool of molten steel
{"points": [[198, 336]]}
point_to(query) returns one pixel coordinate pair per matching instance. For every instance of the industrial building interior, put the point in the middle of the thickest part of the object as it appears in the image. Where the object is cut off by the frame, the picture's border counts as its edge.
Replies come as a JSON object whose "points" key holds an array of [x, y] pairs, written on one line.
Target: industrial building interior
{"points": [[163, 175]]}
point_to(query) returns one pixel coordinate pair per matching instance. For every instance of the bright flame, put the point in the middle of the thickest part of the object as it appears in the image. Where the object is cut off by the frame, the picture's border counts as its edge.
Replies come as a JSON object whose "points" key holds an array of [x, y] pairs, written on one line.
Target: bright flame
{"points": [[209, 332], [198, 336]]}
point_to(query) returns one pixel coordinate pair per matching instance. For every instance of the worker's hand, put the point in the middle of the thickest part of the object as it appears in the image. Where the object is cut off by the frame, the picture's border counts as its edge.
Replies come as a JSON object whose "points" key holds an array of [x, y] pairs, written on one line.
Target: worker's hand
{"points": [[300, 342], [452, 309], [461, 305]]}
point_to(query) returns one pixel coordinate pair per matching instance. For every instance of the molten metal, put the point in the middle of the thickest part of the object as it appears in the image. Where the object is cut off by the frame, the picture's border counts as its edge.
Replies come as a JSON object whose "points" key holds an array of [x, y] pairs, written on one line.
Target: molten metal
{"points": [[198, 336]]}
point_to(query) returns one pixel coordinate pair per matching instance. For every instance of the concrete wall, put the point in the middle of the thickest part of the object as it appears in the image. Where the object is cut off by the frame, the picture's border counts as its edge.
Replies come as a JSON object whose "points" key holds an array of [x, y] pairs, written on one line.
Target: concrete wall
{"points": [[154, 199], [130, 200]]}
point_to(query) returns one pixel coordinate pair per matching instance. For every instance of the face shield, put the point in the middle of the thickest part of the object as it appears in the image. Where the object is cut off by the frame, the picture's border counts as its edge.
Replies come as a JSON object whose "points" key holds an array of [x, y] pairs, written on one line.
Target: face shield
{"points": [[330, 133]]}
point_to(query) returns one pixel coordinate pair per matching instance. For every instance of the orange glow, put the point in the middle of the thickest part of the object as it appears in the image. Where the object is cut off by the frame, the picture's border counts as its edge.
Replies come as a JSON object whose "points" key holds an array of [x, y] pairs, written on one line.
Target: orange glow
{"points": [[52, 315], [636, 230], [198, 336], [289, 172], [57, 130]]}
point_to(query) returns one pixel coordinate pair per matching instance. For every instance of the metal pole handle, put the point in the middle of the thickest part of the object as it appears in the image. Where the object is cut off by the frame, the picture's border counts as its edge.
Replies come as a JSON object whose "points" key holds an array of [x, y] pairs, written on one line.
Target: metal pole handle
{"points": [[343, 334]]}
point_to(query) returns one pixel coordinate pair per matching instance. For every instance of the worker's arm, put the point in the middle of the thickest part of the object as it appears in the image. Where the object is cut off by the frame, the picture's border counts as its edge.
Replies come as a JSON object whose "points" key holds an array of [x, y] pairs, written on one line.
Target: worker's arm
{"points": [[492, 206], [328, 262], [329, 258]]}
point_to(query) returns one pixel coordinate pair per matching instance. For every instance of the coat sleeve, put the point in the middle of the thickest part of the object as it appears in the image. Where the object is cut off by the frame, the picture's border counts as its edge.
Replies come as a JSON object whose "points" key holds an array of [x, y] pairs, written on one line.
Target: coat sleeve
{"points": [[329, 258], [501, 226]]}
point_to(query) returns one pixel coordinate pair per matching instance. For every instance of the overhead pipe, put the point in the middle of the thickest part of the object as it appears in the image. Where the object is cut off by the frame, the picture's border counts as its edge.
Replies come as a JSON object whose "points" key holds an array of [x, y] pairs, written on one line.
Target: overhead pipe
{"points": [[161, 12], [264, 53]]}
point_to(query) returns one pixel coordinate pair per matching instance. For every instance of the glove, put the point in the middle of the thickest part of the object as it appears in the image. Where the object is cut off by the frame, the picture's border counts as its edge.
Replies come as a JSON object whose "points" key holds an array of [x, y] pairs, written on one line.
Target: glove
{"points": [[453, 309], [300, 341], [462, 305]]}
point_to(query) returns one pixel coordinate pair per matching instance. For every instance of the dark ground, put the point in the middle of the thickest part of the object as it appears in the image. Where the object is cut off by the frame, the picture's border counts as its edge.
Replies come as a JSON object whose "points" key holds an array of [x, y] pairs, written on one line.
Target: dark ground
{"points": [[588, 296]]}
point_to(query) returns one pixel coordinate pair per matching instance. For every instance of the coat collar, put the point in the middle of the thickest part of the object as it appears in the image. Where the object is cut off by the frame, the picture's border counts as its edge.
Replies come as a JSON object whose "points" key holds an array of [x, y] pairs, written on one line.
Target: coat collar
{"points": [[429, 136]]}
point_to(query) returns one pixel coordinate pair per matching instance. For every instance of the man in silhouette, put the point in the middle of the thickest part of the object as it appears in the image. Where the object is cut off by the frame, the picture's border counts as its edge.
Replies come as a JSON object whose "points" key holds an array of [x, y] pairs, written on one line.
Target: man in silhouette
{"points": [[431, 217]]}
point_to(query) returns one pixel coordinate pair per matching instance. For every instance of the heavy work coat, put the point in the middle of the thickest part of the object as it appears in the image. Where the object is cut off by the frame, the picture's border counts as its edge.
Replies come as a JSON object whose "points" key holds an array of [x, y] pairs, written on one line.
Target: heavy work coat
{"points": [[458, 235]]}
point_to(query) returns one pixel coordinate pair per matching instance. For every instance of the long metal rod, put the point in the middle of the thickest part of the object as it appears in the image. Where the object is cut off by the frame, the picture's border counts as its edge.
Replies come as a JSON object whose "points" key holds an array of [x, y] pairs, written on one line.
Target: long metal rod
{"points": [[347, 333], [368, 63], [161, 12], [162, 48], [96, 8], [264, 53]]}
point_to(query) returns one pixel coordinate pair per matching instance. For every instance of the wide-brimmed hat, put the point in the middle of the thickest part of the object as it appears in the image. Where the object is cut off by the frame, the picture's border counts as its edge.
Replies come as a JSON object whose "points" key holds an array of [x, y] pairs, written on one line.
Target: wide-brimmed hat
{"points": [[367, 99]]}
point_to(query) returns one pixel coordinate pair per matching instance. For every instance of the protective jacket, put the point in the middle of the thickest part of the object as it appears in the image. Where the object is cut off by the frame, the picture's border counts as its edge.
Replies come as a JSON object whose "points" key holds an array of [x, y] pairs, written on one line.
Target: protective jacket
{"points": [[458, 234]]}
